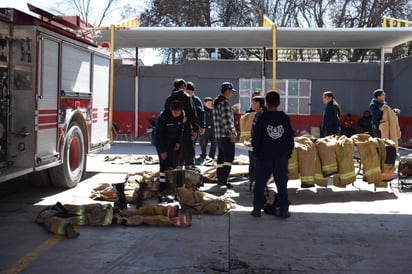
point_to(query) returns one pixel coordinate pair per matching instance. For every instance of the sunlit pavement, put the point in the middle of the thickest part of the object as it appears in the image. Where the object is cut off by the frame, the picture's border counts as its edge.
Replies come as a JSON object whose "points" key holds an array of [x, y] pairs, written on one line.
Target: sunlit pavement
{"points": [[356, 229]]}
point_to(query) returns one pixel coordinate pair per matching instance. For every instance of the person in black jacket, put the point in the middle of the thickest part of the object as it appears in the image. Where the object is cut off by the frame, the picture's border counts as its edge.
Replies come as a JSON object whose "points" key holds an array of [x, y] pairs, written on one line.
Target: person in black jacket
{"points": [[169, 129], [190, 126], [188, 146], [331, 123], [209, 135], [273, 142]]}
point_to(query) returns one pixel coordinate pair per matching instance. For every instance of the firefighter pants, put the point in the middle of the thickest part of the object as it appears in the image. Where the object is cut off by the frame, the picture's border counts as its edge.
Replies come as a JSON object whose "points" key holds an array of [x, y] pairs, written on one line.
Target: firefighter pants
{"points": [[226, 155], [279, 169], [170, 162]]}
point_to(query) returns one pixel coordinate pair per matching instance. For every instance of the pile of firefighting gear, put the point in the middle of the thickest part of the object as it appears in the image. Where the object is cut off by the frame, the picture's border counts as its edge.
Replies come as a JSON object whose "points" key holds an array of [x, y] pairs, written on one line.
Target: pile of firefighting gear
{"points": [[62, 219], [314, 160]]}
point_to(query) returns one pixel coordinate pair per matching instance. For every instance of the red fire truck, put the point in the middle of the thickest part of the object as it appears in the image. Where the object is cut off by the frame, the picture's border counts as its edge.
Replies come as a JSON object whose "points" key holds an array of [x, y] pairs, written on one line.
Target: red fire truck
{"points": [[54, 97]]}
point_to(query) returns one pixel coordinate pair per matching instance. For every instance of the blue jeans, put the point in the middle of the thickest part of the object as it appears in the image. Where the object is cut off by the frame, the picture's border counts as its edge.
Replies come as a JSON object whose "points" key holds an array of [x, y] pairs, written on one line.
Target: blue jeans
{"points": [[279, 169]]}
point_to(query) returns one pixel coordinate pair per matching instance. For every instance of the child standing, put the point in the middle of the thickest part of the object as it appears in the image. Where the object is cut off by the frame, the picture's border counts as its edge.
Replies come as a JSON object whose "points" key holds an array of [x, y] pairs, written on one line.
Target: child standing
{"points": [[169, 129], [272, 141]]}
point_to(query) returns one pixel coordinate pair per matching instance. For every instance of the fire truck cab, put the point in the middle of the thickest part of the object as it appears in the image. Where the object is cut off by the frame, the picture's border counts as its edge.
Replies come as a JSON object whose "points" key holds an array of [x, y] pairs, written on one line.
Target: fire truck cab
{"points": [[54, 97]]}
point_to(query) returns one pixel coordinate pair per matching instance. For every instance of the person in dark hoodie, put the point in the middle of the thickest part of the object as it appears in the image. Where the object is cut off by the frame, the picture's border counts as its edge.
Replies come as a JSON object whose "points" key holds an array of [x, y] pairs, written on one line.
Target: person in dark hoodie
{"points": [[331, 123], [169, 130], [188, 147], [190, 126], [225, 133], [273, 142]]}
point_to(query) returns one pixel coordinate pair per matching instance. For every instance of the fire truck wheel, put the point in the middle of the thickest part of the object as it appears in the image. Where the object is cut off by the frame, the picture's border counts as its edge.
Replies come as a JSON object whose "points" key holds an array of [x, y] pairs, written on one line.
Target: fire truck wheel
{"points": [[70, 173]]}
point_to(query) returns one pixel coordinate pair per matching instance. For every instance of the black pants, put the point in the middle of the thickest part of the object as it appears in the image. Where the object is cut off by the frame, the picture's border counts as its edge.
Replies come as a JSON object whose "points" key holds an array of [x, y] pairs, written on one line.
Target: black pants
{"points": [[187, 154], [204, 139], [226, 150]]}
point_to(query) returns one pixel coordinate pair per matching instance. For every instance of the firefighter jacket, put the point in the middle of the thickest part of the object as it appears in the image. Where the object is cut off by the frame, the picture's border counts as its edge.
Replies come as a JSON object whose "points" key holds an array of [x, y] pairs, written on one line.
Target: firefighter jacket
{"points": [[246, 121], [346, 167], [389, 126], [327, 152], [307, 155]]}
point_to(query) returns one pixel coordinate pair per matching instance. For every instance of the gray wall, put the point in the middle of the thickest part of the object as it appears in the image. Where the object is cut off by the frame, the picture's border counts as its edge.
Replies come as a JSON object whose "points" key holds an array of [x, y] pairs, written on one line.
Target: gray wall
{"points": [[352, 83]]}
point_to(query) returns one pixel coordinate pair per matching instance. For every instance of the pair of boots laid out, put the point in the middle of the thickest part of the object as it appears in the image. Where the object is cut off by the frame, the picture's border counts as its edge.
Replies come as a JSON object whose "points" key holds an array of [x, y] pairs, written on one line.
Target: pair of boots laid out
{"points": [[121, 202]]}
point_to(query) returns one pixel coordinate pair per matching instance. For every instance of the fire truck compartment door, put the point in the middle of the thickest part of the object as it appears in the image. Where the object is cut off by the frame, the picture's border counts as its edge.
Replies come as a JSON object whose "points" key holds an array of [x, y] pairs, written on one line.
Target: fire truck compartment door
{"points": [[47, 111], [101, 76]]}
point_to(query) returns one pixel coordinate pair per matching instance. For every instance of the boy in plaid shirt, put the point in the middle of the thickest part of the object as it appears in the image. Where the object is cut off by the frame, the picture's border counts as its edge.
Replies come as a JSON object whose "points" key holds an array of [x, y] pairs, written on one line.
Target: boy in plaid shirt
{"points": [[225, 133]]}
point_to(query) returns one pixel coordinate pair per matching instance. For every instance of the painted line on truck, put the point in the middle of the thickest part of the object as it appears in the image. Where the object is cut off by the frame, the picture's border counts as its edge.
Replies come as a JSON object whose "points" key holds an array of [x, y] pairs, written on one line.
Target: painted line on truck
{"points": [[24, 261]]}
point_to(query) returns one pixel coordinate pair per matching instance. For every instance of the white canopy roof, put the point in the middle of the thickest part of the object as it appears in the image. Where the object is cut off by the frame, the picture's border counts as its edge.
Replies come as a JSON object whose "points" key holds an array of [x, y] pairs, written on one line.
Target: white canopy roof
{"points": [[256, 37]]}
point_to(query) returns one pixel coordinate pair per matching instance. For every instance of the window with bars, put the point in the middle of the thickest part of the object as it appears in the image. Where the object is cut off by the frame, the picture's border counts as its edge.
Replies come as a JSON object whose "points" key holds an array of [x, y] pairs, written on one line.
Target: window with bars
{"points": [[294, 94]]}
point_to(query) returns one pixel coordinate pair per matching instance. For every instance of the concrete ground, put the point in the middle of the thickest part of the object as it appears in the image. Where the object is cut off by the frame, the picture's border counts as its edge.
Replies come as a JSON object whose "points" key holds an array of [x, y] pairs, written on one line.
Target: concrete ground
{"points": [[332, 230]]}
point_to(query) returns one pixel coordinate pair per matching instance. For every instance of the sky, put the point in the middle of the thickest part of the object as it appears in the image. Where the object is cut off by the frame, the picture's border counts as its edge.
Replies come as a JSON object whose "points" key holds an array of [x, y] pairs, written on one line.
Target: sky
{"points": [[148, 56]]}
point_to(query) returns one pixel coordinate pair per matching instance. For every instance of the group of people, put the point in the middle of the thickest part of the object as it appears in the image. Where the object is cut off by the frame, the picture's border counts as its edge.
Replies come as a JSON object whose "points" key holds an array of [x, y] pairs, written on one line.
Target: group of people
{"points": [[179, 125], [184, 120], [369, 123]]}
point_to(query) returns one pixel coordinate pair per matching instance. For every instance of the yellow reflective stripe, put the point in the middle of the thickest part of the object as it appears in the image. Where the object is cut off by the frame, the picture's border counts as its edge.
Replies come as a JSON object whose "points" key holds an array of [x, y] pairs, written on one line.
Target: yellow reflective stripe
{"points": [[348, 175], [80, 218], [372, 171], [109, 214], [329, 167], [320, 177], [227, 164], [292, 165], [307, 179], [60, 227], [245, 133], [219, 165]]}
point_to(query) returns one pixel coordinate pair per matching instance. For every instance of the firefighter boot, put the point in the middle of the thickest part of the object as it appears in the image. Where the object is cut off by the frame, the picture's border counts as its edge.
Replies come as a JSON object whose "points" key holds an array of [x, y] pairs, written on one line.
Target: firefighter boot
{"points": [[69, 231], [121, 202], [183, 220], [171, 211], [140, 195]]}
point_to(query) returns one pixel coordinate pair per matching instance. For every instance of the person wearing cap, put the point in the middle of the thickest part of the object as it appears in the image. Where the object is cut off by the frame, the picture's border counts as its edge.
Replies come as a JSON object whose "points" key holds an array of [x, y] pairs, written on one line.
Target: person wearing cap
{"points": [[190, 126], [225, 133], [209, 135], [188, 145], [169, 132]]}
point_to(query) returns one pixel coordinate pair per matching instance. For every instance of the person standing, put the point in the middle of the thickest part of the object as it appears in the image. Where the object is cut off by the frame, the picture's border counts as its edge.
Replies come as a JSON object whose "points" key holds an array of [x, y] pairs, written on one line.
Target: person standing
{"points": [[209, 135], [188, 150], [364, 124], [331, 123], [225, 133], [376, 107], [258, 105], [169, 130], [273, 143], [190, 125]]}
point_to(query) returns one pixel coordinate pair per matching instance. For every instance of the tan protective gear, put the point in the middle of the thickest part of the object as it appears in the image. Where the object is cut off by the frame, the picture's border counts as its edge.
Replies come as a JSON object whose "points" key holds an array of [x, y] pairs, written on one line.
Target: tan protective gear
{"points": [[346, 167], [245, 123], [389, 126], [327, 152]]}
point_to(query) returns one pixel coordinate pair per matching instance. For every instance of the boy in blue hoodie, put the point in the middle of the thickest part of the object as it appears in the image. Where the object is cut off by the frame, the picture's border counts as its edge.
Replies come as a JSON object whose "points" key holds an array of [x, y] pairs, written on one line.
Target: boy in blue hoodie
{"points": [[169, 129], [273, 142]]}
